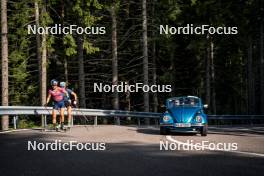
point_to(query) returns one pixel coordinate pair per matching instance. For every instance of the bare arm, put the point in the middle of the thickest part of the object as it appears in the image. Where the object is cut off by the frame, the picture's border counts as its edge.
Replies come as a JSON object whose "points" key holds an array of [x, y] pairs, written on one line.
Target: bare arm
{"points": [[48, 98], [75, 96]]}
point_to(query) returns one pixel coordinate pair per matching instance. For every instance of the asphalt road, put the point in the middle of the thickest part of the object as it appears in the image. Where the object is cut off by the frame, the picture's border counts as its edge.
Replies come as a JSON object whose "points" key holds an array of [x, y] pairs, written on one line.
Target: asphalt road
{"points": [[132, 151]]}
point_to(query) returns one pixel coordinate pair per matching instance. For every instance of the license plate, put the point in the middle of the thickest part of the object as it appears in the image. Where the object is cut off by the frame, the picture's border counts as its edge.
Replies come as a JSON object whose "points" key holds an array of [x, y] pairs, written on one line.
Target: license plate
{"points": [[182, 125]]}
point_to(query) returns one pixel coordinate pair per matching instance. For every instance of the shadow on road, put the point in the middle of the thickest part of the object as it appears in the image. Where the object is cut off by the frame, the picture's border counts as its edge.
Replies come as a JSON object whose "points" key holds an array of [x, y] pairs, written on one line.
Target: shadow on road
{"points": [[156, 131], [212, 130], [237, 131]]}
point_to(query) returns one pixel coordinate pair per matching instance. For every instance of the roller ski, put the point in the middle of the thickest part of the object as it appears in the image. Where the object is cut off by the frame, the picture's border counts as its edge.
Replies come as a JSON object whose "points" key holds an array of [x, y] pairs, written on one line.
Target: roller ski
{"points": [[62, 128], [58, 128], [67, 128], [54, 128]]}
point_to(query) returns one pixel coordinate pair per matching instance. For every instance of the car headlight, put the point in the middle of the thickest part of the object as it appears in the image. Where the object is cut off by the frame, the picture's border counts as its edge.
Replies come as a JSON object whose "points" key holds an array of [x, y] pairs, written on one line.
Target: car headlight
{"points": [[166, 118], [198, 119]]}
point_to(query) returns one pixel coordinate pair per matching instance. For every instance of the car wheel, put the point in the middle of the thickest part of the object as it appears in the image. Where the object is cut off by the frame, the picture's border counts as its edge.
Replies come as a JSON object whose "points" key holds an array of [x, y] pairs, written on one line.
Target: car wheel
{"points": [[204, 130], [164, 131]]}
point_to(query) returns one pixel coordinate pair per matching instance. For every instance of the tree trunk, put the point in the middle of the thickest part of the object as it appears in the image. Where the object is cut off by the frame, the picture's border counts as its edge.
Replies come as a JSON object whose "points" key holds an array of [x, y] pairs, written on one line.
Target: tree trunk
{"points": [[145, 57], [154, 70], [43, 71], [208, 75], [251, 85], [105, 97], [42, 60], [81, 72], [128, 102], [104, 102], [66, 73], [172, 71], [213, 75], [38, 48], [114, 61], [4, 43], [154, 76], [43, 81], [261, 66]]}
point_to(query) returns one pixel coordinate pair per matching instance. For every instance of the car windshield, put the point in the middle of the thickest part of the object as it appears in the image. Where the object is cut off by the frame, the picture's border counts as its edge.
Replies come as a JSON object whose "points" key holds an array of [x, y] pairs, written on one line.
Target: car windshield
{"points": [[183, 101]]}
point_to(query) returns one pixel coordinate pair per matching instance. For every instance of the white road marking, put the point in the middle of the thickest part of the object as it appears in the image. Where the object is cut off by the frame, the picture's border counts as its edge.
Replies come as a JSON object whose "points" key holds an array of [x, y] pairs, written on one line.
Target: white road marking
{"points": [[10, 131], [207, 148], [253, 129]]}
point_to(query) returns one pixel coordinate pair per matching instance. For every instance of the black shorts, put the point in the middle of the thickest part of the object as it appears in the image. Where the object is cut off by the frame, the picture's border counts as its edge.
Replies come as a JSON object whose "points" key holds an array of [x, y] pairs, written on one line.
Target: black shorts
{"points": [[58, 105], [67, 104]]}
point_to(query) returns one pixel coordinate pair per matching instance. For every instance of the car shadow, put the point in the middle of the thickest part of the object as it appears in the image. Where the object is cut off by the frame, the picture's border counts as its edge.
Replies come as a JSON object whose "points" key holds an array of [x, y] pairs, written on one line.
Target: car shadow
{"points": [[221, 131], [156, 131]]}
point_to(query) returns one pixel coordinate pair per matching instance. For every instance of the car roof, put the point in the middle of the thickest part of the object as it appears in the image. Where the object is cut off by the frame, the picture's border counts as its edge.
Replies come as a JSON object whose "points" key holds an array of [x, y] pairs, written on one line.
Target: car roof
{"points": [[182, 97]]}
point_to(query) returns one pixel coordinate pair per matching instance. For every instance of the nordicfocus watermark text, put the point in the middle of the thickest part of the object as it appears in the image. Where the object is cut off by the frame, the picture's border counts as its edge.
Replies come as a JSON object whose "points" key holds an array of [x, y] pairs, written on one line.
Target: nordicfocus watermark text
{"points": [[125, 87], [203, 145], [71, 29], [190, 29], [58, 145]]}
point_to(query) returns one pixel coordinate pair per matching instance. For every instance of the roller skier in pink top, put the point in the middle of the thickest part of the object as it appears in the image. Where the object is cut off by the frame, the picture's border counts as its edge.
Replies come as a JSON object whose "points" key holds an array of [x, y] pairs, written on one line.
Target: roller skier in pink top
{"points": [[57, 95]]}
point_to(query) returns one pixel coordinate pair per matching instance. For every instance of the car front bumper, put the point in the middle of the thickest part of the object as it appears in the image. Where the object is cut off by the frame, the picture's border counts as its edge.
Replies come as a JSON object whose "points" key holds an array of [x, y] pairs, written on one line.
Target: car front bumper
{"points": [[175, 124], [194, 127]]}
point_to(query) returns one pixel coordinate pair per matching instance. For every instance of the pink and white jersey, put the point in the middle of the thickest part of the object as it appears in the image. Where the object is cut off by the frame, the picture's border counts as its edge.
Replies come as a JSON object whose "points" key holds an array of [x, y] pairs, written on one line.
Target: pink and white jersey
{"points": [[58, 94]]}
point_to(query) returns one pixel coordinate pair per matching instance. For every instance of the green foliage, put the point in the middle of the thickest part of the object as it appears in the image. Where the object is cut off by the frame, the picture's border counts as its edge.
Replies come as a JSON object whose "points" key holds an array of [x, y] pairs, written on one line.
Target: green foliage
{"points": [[89, 48], [19, 53], [24, 123], [70, 45], [50, 42], [45, 19], [85, 17]]}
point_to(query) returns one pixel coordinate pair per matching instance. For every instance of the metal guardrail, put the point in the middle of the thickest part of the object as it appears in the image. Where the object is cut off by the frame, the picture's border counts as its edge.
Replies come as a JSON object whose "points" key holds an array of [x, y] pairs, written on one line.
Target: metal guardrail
{"points": [[235, 117], [40, 110]]}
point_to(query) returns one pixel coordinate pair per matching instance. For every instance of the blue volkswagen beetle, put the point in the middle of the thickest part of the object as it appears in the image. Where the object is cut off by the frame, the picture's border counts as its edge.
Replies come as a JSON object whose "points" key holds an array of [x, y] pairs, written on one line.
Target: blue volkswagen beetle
{"points": [[184, 114]]}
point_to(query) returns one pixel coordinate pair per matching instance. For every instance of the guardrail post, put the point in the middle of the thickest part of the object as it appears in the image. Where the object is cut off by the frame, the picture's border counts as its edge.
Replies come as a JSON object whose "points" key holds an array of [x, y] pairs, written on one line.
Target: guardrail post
{"points": [[156, 122], [138, 121], [15, 122], [117, 120], [95, 121], [72, 119], [45, 121]]}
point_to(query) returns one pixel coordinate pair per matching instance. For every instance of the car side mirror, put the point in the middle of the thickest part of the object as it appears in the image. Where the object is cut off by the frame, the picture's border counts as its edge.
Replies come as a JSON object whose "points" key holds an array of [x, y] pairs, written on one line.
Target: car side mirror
{"points": [[205, 106]]}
